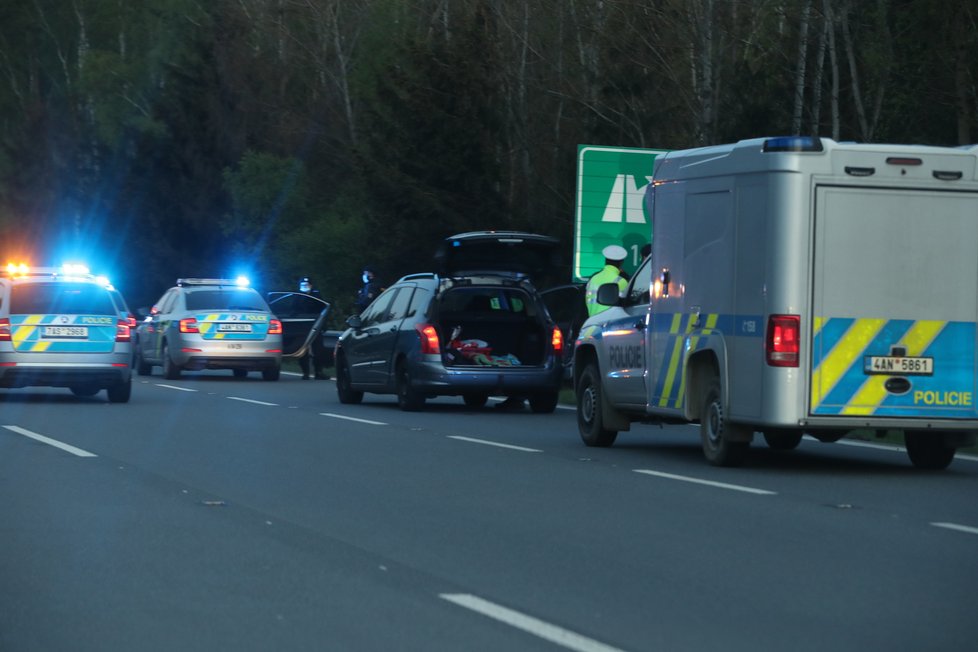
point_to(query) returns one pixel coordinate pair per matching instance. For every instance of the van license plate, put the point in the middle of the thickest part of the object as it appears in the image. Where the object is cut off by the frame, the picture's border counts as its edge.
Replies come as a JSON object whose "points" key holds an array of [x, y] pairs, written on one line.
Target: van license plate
{"points": [[898, 366], [234, 328], [77, 332]]}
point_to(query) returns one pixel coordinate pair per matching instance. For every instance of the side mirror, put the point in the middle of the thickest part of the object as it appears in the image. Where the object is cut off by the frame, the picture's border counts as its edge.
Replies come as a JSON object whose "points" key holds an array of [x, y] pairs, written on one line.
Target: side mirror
{"points": [[608, 294], [354, 322]]}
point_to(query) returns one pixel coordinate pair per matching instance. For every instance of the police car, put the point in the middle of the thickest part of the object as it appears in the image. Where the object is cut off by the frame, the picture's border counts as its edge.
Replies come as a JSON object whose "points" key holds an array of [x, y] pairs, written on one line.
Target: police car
{"points": [[205, 323], [62, 327]]}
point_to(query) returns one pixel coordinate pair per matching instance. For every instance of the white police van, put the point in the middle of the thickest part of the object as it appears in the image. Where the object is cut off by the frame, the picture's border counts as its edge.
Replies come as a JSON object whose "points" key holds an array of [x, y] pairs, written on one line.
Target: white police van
{"points": [[61, 327], [796, 285]]}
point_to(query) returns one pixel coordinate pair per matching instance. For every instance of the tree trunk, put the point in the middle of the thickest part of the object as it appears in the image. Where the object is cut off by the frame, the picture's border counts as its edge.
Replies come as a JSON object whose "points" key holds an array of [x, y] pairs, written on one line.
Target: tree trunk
{"points": [[800, 68]]}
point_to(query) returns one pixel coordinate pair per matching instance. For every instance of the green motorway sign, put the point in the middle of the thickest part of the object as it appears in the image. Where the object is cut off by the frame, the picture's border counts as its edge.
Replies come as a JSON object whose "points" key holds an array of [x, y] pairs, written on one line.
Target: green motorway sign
{"points": [[611, 185]]}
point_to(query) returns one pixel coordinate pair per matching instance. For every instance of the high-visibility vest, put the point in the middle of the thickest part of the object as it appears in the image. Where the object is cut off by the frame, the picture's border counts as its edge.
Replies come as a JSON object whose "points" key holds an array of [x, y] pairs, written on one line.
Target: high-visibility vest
{"points": [[610, 274]]}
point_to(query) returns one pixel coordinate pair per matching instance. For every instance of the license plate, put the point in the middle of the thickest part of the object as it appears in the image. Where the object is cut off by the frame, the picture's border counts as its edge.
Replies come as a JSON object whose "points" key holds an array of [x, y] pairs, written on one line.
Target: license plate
{"points": [[78, 332], [234, 328], [898, 365]]}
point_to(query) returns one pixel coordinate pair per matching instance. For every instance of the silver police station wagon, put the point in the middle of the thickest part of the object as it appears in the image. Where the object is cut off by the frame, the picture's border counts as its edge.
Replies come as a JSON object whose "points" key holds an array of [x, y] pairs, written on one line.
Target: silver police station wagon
{"points": [[206, 323], [62, 327]]}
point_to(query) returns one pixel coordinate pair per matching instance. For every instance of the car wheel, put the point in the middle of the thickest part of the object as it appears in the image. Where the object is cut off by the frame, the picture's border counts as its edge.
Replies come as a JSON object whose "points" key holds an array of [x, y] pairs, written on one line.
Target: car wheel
{"points": [[120, 392], [171, 370], [344, 390], [927, 450], [719, 437], [475, 401], [408, 398], [240, 373], [143, 368], [271, 374], [544, 402], [84, 391], [782, 440], [589, 420]]}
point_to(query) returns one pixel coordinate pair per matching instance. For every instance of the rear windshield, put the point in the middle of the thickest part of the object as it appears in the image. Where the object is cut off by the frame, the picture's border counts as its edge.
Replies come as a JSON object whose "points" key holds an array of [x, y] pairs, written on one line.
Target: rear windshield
{"points": [[488, 301], [225, 300], [60, 299]]}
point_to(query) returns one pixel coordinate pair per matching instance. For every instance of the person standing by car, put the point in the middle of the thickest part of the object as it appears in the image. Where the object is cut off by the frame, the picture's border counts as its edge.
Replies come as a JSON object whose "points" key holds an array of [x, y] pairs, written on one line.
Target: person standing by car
{"points": [[315, 355], [370, 289], [614, 256]]}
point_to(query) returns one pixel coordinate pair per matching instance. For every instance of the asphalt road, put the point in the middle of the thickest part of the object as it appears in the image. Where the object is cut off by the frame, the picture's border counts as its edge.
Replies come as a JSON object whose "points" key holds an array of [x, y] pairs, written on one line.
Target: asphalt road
{"points": [[218, 514]]}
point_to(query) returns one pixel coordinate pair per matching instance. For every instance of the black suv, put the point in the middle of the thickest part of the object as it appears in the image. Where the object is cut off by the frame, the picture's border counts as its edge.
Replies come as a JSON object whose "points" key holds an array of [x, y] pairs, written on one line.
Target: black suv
{"points": [[476, 328]]}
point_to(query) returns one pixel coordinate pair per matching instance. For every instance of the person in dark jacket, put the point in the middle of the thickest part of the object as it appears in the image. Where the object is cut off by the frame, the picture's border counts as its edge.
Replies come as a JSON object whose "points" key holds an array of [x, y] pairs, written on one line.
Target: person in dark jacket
{"points": [[370, 289]]}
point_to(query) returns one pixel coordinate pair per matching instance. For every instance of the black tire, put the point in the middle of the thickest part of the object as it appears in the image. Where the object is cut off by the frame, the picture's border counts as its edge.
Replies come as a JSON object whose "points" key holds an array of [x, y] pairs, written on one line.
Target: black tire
{"points": [[171, 370], [928, 450], [344, 390], [271, 374], [589, 419], [120, 392], [475, 401], [544, 402], [783, 440], [84, 391], [240, 373], [143, 368], [716, 431], [408, 398]]}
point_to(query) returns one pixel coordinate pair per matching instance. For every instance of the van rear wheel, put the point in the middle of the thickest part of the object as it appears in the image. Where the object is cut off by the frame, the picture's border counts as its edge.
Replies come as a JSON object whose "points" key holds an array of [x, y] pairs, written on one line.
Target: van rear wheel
{"points": [[590, 423], [928, 450], [722, 445], [782, 440]]}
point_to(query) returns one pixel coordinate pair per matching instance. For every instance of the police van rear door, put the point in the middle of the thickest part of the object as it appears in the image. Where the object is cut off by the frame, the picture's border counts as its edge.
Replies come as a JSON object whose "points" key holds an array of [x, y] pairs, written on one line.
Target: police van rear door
{"points": [[895, 302]]}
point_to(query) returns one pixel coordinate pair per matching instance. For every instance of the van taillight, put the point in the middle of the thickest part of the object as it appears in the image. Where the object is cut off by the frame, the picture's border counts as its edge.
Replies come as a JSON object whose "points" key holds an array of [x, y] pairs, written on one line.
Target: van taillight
{"points": [[189, 325], [122, 331], [4, 330], [275, 327], [782, 340], [557, 340], [429, 338]]}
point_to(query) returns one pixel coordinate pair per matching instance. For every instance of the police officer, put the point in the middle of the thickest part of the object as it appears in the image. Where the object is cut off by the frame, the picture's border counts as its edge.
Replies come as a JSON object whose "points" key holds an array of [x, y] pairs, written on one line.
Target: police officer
{"points": [[316, 352], [370, 289], [614, 257]]}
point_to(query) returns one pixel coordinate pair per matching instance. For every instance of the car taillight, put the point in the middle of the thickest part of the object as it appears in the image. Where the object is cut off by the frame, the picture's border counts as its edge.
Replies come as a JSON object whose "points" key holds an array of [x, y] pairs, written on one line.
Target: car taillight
{"points": [[131, 320], [275, 327], [122, 331], [782, 340], [557, 340], [4, 330], [429, 338], [189, 325]]}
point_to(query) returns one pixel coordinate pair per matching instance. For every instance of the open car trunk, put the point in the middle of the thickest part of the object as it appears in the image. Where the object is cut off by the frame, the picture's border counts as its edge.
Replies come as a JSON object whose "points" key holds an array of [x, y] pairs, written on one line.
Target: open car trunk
{"points": [[490, 327]]}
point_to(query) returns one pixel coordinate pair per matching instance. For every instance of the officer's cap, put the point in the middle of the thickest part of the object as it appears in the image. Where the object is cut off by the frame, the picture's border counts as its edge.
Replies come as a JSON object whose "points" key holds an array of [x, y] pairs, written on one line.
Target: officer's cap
{"points": [[614, 252]]}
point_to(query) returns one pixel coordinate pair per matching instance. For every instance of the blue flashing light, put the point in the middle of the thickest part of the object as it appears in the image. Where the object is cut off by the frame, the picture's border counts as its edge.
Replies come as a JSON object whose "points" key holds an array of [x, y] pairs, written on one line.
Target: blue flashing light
{"points": [[242, 282], [793, 144]]}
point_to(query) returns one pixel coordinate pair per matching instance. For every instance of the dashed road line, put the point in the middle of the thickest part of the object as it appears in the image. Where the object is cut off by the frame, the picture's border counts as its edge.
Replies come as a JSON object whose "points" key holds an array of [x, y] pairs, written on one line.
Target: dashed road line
{"points": [[539, 628], [956, 527], [182, 389], [711, 483], [251, 400], [51, 442], [346, 418], [486, 442]]}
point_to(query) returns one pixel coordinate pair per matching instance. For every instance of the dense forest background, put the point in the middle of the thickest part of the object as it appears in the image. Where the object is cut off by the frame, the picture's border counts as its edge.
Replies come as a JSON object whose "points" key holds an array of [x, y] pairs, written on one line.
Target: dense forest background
{"points": [[174, 138]]}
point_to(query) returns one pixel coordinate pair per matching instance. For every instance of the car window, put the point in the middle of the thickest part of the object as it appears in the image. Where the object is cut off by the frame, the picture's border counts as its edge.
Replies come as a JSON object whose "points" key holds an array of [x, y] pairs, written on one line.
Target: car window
{"points": [[166, 303], [61, 299], [376, 312], [565, 304], [293, 305], [225, 300], [639, 290], [399, 306], [419, 302]]}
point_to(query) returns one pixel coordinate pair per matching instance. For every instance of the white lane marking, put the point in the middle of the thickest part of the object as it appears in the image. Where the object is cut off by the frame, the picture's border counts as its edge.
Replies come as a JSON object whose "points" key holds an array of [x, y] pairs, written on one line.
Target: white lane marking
{"points": [[495, 443], [711, 483], [341, 416], [893, 448], [955, 526], [51, 442], [182, 389], [535, 626], [251, 400]]}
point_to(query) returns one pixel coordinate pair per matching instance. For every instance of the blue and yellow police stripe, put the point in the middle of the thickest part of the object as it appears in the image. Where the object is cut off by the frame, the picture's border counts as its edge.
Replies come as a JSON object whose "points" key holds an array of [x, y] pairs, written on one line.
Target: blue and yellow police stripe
{"points": [[27, 334]]}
